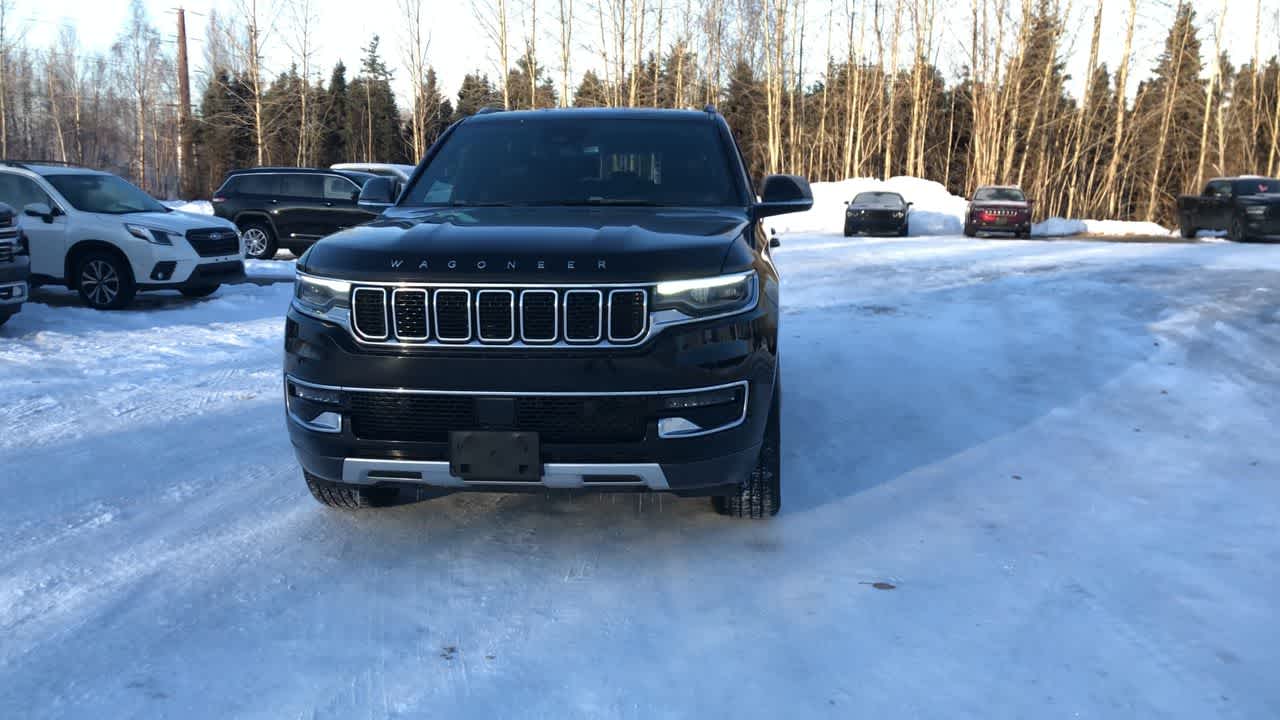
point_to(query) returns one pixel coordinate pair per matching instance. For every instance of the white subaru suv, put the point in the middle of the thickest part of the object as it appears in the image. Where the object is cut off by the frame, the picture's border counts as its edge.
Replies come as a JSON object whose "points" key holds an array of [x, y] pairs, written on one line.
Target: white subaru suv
{"points": [[96, 233]]}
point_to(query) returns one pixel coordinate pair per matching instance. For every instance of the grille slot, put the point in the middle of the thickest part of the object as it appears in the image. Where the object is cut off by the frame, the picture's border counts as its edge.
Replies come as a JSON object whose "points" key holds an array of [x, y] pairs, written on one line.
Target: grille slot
{"points": [[538, 316], [431, 417], [582, 315], [628, 315], [369, 312], [409, 314], [496, 316], [453, 315], [6, 252], [214, 242]]}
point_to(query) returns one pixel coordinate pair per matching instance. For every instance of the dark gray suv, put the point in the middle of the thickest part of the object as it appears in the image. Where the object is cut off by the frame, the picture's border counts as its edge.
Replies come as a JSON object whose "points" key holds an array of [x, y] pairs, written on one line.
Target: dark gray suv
{"points": [[290, 208]]}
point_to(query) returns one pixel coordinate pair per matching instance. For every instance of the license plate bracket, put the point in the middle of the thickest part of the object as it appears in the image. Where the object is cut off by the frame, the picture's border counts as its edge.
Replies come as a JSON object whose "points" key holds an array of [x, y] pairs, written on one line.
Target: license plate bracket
{"points": [[483, 455]]}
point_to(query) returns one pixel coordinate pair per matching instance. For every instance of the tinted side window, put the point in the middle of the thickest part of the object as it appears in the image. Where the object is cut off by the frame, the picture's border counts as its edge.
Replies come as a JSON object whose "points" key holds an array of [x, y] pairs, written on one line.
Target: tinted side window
{"points": [[19, 192], [1219, 189], [254, 184], [302, 186], [338, 188]]}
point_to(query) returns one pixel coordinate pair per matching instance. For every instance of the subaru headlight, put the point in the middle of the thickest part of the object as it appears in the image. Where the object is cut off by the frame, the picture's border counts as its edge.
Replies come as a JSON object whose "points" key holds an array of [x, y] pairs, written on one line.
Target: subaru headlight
{"points": [[709, 296], [322, 298], [155, 236], [1256, 210]]}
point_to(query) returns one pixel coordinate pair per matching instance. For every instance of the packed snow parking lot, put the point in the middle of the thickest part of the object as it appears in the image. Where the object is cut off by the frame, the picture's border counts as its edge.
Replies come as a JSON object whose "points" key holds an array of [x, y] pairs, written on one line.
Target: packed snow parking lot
{"points": [[1022, 479]]}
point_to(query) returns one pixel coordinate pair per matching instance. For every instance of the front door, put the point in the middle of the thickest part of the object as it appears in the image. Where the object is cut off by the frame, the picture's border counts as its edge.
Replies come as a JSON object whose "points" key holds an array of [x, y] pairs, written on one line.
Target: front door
{"points": [[48, 240], [340, 207], [299, 210]]}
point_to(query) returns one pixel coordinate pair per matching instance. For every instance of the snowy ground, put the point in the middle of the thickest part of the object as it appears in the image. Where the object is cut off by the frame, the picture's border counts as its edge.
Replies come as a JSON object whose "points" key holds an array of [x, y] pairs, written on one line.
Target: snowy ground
{"points": [[1061, 456]]}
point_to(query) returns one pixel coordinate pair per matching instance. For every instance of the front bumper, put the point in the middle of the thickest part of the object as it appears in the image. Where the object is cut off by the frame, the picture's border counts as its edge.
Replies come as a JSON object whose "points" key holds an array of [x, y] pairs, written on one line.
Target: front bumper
{"points": [[14, 288], [1013, 226], [868, 226], [1266, 228], [738, 349]]}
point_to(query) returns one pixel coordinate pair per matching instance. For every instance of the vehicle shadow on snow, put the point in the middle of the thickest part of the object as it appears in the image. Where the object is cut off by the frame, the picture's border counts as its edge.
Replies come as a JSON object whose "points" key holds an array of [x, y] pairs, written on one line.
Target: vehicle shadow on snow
{"points": [[241, 302]]}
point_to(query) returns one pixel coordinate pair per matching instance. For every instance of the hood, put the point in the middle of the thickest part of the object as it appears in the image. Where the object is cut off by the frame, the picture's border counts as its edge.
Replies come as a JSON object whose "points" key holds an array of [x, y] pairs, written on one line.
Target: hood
{"points": [[176, 221], [534, 244], [1261, 199]]}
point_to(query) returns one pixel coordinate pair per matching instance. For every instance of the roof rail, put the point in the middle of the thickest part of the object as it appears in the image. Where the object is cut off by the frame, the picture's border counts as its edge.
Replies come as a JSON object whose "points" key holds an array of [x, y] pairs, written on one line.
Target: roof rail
{"points": [[24, 163], [489, 109], [710, 109]]}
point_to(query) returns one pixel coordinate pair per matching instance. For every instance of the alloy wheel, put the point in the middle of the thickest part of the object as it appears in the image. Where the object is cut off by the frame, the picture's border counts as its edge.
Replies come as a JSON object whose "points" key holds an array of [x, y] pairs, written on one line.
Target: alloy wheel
{"points": [[100, 282], [255, 242]]}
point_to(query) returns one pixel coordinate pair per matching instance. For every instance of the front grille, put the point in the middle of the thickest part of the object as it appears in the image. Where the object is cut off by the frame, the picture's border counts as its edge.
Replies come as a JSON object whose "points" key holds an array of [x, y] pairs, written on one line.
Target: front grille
{"points": [[430, 417], [453, 315], [409, 308], [495, 316], [6, 252], [1002, 212], [214, 242], [369, 312], [582, 315], [628, 314], [496, 313]]}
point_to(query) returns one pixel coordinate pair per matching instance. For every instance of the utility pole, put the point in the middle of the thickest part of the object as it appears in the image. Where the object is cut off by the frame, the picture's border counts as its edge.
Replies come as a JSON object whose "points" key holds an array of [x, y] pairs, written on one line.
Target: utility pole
{"points": [[186, 159]]}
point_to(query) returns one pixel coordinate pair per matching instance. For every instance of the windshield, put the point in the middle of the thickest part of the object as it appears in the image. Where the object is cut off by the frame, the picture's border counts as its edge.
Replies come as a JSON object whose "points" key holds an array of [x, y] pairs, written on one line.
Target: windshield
{"points": [[103, 194], [579, 161], [1257, 186], [888, 200], [999, 195]]}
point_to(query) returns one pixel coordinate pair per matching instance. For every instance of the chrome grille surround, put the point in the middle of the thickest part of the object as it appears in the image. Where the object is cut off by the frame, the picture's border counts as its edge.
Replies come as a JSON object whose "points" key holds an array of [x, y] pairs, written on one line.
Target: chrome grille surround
{"points": [[599, 300], [655, 322], [511, 310], [381, 299], [435, 316], [396, 294]]}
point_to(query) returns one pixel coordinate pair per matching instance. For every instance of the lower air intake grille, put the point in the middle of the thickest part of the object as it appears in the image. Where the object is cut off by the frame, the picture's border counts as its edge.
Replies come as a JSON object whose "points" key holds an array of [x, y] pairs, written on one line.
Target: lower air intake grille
{"points": [[430, 418], [369, 312]]}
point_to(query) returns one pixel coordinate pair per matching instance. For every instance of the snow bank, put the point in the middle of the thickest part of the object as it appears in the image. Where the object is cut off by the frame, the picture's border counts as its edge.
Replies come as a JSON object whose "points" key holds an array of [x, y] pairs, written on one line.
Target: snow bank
{"points": [[196, 207], [934, 211]]}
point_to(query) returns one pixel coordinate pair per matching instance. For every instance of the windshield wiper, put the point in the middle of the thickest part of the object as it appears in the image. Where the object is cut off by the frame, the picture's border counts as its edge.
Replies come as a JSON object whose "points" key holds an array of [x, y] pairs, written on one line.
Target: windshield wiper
{"points": [[596, 202], [478, 203]]}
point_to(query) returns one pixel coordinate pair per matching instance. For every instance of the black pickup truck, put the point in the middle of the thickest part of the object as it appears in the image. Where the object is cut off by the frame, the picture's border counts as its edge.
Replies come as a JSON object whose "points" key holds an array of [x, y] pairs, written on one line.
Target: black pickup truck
{"points": [[576, 299], [1248, 208]]}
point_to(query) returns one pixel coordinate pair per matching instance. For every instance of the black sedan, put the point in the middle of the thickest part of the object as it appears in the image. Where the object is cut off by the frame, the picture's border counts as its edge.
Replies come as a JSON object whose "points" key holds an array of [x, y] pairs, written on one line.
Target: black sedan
{"points": [[876, 213]]}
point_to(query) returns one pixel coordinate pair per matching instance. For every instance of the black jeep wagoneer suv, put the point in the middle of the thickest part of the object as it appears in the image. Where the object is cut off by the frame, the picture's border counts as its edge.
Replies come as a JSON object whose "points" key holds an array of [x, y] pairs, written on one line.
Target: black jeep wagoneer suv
{"points": [[558, 299]]}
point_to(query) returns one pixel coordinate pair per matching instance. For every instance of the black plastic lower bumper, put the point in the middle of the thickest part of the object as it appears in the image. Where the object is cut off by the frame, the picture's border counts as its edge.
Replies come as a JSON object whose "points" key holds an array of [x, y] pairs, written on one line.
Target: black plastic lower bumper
{"points": [[205, 275]]}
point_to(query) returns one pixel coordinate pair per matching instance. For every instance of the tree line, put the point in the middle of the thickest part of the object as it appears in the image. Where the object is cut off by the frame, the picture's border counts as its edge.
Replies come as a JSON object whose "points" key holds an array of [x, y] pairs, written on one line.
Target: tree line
{"points": [[873, 100]]}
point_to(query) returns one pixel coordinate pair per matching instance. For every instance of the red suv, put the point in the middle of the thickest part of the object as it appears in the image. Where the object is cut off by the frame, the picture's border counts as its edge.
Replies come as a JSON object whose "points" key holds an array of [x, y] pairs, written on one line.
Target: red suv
{"points": [[998, 209]]}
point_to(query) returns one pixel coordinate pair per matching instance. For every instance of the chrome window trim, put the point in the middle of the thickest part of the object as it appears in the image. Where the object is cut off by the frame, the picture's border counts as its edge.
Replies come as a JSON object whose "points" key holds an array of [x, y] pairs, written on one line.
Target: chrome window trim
{"points": [[426, 316], [555, 316], [355, 325], [644, 311], [435, 315], [480, 326], [599, 317]]}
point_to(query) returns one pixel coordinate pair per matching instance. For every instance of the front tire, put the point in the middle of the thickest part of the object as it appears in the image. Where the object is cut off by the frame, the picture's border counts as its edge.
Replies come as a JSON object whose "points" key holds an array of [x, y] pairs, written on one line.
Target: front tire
{"points": [[761, 495], [348, 497], [259, 240], [1237, 232], [848, 231], [1188, 231], [199, 292], [969, 231], [104, 280]]}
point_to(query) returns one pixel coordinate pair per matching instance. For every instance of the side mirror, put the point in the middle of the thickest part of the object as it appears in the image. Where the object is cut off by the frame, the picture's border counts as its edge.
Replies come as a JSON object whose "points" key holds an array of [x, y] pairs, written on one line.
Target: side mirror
{"points": [[783, 194], [40, 210], [910, 204], [377, 194]]}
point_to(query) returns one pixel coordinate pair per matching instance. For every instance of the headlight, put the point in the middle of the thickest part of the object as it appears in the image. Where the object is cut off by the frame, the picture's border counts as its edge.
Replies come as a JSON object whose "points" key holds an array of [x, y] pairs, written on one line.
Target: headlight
{"points": [[899, 214], [1256, 210], [708, 296], [155, 236], [321, 297]]}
